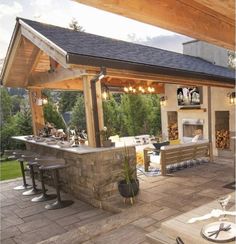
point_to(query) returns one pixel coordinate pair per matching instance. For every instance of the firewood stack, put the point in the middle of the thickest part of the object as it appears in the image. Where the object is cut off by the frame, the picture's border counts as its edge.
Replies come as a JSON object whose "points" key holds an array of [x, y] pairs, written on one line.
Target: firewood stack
{"points": [[222, 139], [173, 131]]}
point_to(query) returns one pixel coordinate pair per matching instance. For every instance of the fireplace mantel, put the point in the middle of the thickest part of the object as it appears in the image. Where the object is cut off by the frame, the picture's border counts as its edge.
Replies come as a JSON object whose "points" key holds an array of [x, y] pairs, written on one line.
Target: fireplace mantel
{"points": [[192, 109]]}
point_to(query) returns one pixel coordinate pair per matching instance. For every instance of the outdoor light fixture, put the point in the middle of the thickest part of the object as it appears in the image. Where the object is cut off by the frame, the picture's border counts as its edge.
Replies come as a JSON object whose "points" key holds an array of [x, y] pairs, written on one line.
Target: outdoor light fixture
{"points": [[232, 98], [163, 100], [139, 89], [105, 92]]}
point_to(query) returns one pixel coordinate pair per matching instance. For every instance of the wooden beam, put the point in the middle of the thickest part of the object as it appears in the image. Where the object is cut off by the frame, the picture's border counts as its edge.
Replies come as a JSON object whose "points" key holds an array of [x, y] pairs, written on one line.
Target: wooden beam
{"points": [[124, 74], [89, 109], [99, 105], [226, 8], [32, 62], [60, 74], [37, 111], [44, 44], [72, 85], [175, 15], [160, 78]]}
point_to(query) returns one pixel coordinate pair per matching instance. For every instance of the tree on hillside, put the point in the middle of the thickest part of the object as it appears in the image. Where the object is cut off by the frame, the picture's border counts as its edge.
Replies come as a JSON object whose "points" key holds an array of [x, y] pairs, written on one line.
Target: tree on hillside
{"points": [[13, 125], [74, 25], [67, 100]]}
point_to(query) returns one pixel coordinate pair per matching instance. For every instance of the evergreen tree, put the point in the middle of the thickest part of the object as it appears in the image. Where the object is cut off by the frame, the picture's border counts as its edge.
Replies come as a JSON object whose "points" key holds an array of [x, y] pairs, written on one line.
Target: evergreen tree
{"points": [[112, 118], [78, 118], [67, 100], [52, 115], [153, 114], [6, 105], [24, 120], [134, 114], [16, 101]]}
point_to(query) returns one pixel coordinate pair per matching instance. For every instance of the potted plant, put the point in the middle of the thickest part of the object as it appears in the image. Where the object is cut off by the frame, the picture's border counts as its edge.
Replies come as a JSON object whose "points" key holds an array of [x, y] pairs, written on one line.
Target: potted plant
{"points": [[105, 134], [129, 186]]}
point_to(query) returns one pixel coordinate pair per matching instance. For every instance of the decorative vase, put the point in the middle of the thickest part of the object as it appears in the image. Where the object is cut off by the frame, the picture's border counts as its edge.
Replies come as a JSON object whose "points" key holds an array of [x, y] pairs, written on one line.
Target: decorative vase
{"points": [[107, 143], [128, 190]]}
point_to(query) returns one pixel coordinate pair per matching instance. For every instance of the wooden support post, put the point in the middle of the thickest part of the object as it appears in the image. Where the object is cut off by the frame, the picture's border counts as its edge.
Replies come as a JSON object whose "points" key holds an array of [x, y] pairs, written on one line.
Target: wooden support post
{"points": [[211, 153], [163, 164], [37, 111], [93, 109]]}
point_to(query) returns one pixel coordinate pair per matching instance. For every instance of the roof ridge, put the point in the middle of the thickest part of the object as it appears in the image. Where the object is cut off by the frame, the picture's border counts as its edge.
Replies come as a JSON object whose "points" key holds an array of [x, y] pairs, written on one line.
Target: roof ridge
{"points": [[111, 38]]}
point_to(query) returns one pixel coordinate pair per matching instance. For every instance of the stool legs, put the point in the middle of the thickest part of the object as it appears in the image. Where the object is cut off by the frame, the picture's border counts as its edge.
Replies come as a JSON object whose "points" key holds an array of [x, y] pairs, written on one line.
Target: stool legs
{"points": [[44, 196], [25, 185], [59, 203], [34, 189]]}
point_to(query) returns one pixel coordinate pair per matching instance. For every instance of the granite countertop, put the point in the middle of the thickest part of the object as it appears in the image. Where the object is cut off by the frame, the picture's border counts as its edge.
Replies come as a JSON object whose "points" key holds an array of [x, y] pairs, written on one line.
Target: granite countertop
{"points": [[81, 149]]}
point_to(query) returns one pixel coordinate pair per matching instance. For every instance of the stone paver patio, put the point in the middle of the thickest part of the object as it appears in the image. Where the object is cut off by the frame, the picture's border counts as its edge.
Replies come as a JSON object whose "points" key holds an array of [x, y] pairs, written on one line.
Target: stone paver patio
{"points": [[160, 198]]}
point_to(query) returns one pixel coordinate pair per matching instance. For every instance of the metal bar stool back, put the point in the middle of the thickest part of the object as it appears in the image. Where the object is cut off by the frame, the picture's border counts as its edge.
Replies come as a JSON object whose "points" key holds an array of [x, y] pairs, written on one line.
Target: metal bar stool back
{"points": [[59, 203]]}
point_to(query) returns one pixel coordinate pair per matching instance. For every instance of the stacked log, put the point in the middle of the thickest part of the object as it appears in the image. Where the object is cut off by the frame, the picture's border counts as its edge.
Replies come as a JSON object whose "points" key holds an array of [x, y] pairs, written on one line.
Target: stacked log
{"points": [[222, 139], [173, 131]]}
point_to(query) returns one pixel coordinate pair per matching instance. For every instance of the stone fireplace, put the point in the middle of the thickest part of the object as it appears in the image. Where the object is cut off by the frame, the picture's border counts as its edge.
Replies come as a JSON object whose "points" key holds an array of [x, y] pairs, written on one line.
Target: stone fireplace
{"points": [[190, 126]]}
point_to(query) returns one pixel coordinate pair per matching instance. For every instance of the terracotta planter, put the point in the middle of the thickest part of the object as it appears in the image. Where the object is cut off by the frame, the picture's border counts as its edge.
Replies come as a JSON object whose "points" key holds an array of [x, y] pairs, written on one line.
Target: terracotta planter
{"points": [[107, 143]]}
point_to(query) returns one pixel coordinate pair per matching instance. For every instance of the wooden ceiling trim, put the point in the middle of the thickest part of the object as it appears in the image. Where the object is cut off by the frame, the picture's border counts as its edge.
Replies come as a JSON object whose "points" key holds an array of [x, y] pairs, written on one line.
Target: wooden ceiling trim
{"points": [[44, 44], [173, 15], [8, 64]]}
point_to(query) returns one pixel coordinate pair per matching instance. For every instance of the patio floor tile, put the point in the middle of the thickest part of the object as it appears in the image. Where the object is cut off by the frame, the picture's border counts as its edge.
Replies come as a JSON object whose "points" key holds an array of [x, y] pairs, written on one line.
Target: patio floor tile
{"points": [[160, 198]]}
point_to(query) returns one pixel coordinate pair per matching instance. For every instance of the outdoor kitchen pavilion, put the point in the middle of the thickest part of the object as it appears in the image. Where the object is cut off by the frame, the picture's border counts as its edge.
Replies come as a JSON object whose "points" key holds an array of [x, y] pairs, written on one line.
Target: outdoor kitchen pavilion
{"points": [[42, 56]]}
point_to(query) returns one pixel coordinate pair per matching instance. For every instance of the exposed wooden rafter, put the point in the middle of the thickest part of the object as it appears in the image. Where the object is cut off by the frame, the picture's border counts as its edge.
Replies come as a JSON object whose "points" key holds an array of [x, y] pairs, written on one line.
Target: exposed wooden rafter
{"points": [[44, 44]]}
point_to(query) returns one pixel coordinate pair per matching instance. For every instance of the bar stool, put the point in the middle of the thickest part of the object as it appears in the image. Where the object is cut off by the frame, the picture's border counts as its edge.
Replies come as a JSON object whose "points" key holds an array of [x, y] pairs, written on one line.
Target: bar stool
{"points": [[44, 196], [17, 155], [34, 190], [54, 169]]}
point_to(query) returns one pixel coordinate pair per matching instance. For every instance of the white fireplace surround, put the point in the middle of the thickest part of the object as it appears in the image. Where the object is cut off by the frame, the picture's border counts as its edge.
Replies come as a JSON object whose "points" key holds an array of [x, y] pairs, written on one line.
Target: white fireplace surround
{"points": [[192, 121], [188, 134]]}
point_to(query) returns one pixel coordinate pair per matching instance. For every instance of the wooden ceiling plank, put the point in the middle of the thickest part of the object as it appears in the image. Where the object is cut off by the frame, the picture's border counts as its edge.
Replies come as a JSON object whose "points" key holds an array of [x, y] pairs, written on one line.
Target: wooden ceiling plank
{"points": [[44, 46], [173, 15]]}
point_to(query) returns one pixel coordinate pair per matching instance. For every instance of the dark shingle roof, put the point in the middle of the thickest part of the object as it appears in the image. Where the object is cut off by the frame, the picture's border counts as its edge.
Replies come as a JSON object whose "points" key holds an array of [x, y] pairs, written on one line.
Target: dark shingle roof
{"points": [[94, 46]]}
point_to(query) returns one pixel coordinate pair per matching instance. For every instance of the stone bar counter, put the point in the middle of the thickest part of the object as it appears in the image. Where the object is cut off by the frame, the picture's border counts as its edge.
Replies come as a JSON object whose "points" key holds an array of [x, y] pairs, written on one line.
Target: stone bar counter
{"points": [[92, 174]]}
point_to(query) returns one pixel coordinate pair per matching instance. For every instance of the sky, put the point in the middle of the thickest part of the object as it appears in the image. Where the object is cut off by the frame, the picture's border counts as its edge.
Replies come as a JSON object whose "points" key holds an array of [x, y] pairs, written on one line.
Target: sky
{"points": [[61, 12]]}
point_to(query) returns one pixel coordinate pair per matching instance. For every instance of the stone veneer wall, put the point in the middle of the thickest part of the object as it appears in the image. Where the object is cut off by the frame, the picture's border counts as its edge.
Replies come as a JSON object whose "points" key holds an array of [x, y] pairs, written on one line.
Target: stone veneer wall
{"points": [[91, 177]]}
